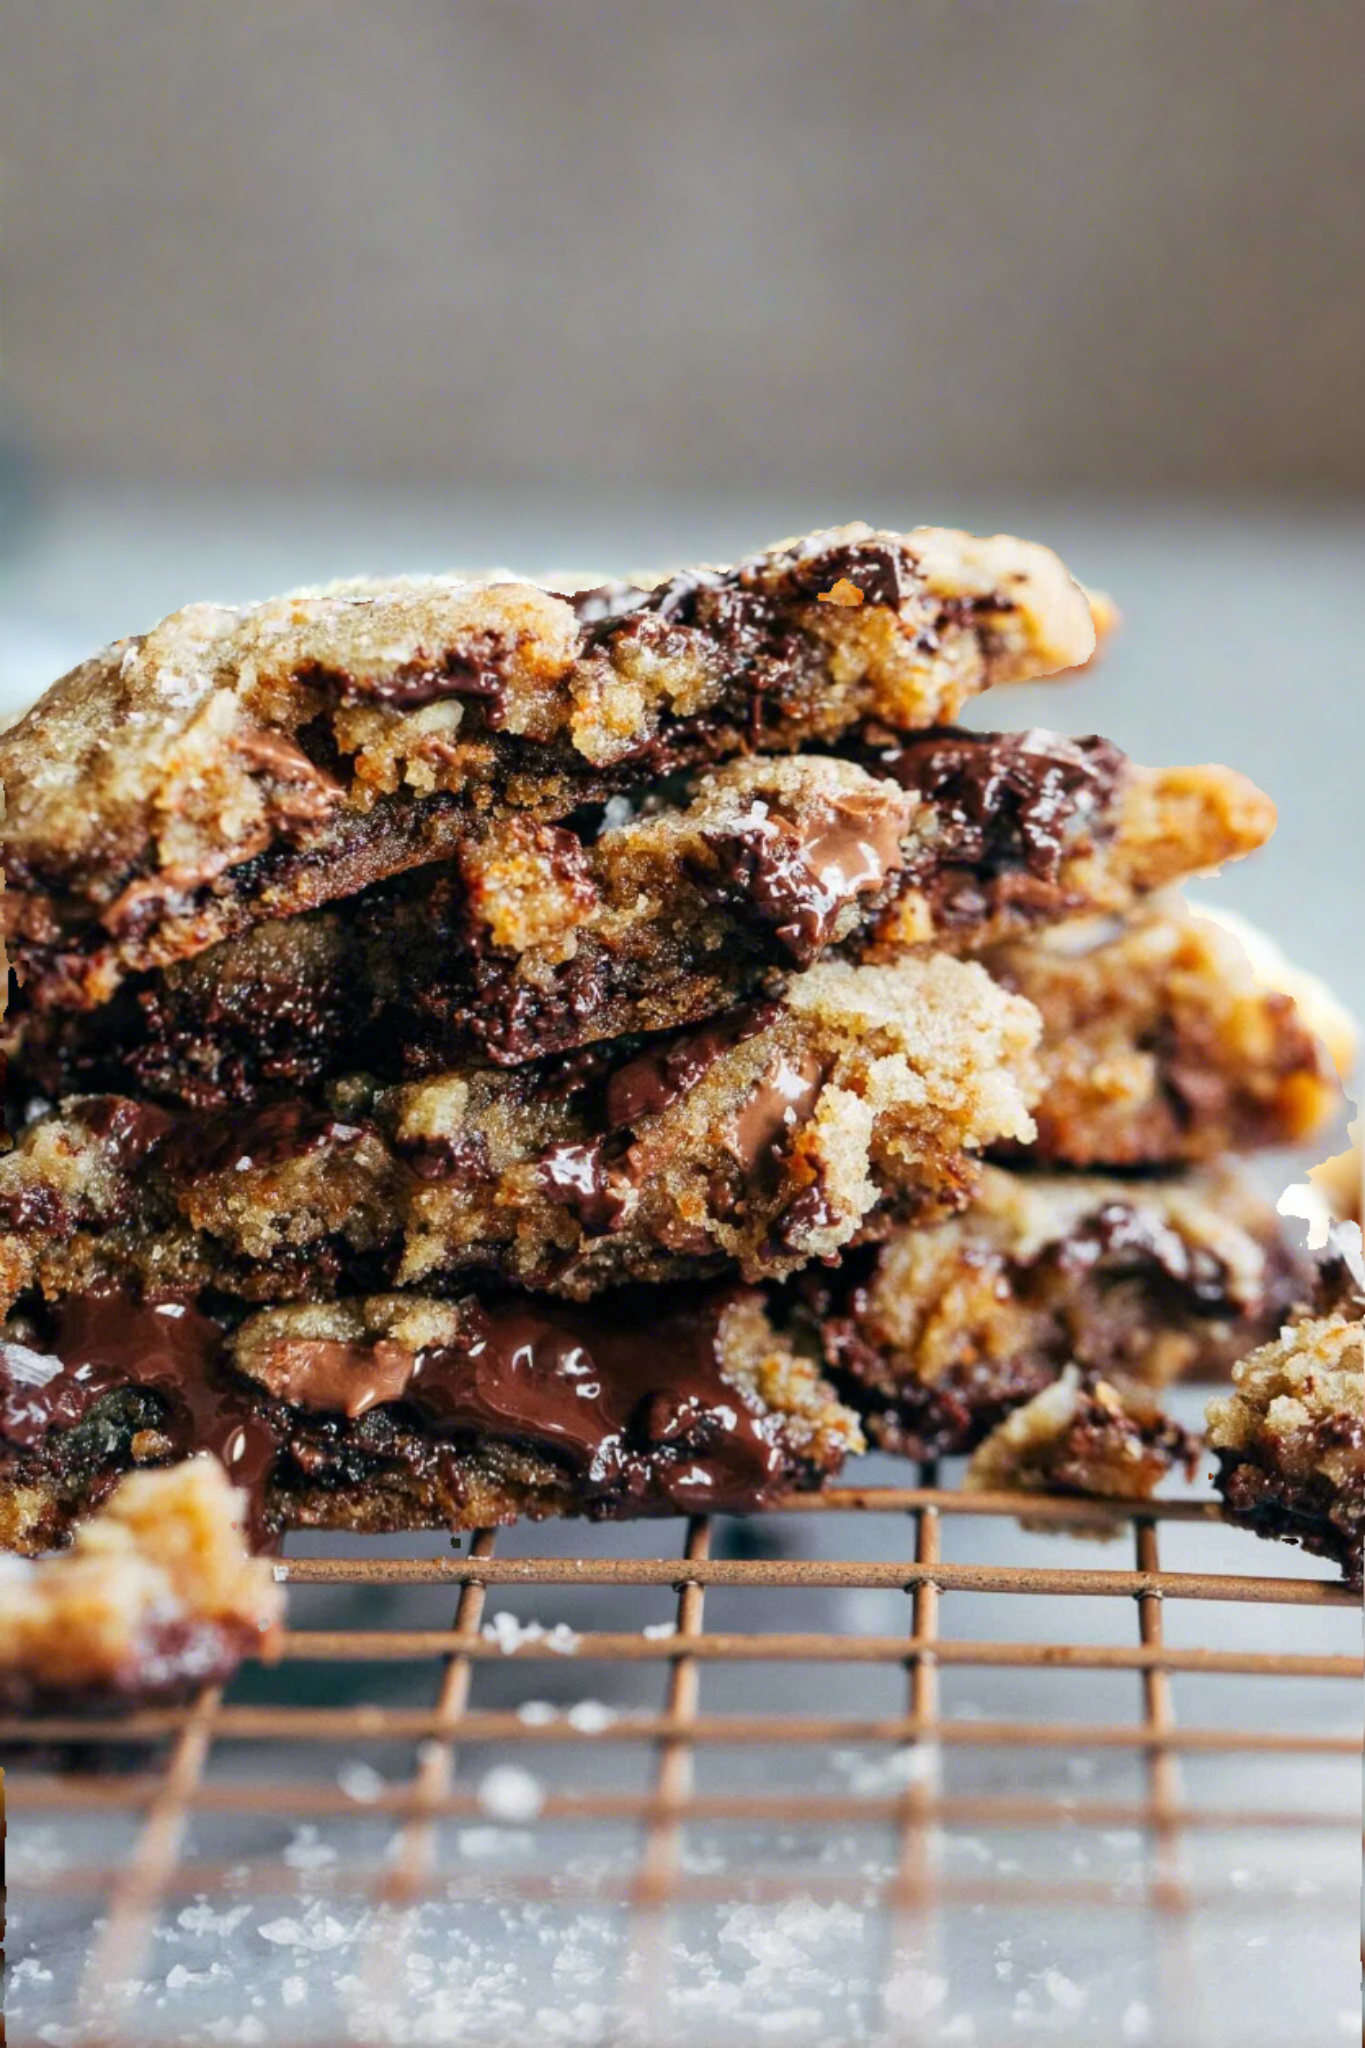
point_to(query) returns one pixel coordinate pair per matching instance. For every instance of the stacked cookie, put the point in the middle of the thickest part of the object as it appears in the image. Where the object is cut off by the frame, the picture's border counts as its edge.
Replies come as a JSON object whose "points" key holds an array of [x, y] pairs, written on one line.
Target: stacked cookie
{"points": [[482, 1051]]}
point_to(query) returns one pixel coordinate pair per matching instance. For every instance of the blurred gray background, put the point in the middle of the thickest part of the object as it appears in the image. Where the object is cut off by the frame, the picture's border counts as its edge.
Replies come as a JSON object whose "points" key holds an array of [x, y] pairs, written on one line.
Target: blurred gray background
{"points": [[293, 291], [754, 241]]}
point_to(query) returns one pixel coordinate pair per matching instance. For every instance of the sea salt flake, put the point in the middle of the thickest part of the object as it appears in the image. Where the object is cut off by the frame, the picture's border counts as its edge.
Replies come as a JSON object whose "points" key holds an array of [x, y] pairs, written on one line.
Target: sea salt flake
{"points": [[359, 1782], [201, 1918], [590, 1717], [306, 1851], [912, 1993], [1063, 1990], [537, 1713], [478, 1845], [509, 1793], [659, 1631], [316, 1931], [1135, 2021]]}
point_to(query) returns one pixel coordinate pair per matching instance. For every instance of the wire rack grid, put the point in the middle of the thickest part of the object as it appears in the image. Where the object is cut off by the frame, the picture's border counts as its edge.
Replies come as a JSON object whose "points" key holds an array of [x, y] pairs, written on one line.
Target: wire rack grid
{"points": [[172, 1772]]}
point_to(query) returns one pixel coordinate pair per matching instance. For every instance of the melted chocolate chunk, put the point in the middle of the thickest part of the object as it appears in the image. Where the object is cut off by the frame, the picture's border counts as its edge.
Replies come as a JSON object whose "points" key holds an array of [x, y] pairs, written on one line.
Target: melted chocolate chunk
{"points": [[632, 1397], [1003, 800], [1121, 1241], [635, 1402], [779, 1104], [796, 880], [130, 1130], [100, 1344], [662, 1075], [304, 793], [584, 1179], [228, 1142]]}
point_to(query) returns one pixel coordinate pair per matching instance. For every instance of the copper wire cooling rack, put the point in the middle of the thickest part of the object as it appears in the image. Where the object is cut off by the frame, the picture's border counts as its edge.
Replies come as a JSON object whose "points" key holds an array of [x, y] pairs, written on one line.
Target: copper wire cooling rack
{"points": [[235, 1758]]}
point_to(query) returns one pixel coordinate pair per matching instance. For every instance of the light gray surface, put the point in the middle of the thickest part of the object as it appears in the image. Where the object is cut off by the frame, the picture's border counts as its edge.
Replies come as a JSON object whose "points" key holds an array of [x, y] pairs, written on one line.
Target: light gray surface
{"points": [[1239, 646]]}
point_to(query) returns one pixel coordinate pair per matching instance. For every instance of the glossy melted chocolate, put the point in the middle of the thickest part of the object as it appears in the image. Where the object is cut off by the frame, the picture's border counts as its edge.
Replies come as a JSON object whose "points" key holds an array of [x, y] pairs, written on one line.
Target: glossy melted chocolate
{"points": [[637, 1405], [797, 879], [634, 1401], [1004, 800]]}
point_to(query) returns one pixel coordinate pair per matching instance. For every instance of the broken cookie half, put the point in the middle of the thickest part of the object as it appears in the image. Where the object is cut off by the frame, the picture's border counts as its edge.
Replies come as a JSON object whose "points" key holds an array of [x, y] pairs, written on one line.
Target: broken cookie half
{"points": [[156, 1597]]}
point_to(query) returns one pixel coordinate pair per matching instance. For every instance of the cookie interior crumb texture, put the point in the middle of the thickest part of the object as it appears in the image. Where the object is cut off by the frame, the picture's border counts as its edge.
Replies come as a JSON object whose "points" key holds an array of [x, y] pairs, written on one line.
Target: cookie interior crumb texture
{"points": [[1082, 1435], [939, 1332], [1162, 1046], [540, 937]]}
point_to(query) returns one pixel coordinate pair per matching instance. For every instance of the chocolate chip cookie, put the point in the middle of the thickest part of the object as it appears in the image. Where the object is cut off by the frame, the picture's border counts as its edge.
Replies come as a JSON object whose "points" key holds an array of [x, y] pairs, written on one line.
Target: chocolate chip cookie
{"points": [[540, 938], [938, 1333], [156, 1597], [1163, 1047], [761, 1140], [1290, 1439], [239, 764]]}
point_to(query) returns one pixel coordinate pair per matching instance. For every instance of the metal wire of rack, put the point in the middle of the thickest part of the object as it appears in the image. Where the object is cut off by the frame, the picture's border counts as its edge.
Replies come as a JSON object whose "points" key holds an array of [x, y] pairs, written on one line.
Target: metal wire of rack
{"points": [[168, 1779]]}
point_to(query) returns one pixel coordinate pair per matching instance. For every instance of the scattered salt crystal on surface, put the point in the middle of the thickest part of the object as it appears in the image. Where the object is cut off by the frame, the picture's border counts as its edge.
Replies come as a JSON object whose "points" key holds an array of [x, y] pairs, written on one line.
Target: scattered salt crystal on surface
{"points": [[1004, 1969], [306, 1851], [537, 1713], [509, 1793], [1135, 2021], [912, 1993], [294, 1990], [590, 1717], [30, 1970], [658, 1631], [200, 1918], [871, 1777], [961, 2027], [479, 1844], [512, 1635], [797, 2019], [360, 1783], [178, 1978], [317, 1930], [1063, 1990], [617, 811]]}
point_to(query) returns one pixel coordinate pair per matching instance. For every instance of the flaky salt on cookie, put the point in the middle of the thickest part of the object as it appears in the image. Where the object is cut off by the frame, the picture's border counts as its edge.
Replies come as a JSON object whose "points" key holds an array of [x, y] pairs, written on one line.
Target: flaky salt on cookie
{"points": [[156, 1596]]}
